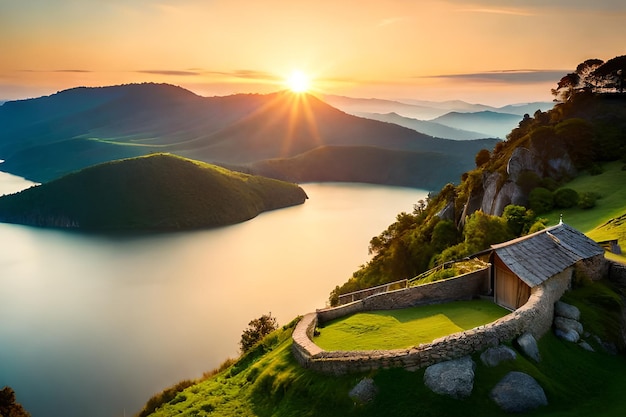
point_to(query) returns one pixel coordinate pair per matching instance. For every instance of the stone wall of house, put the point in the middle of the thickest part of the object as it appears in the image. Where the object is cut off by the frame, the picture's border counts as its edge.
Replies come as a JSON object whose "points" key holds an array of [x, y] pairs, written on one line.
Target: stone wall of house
{"points": [[463, 287], [535, 317], [594, 268], [617, 273]]}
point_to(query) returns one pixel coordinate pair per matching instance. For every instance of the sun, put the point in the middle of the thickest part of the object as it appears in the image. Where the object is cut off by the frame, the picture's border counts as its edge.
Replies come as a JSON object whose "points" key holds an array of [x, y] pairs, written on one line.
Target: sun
{"points": [[298, 82]]}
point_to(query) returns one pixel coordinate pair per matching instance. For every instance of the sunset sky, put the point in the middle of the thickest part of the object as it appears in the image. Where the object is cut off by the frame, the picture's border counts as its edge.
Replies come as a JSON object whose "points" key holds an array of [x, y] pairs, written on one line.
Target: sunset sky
{"points": [[488, 51]]}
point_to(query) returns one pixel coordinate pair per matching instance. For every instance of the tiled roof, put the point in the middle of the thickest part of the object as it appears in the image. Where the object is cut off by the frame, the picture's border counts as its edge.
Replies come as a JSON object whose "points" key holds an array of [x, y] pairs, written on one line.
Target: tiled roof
{"points": [[537, 257]]}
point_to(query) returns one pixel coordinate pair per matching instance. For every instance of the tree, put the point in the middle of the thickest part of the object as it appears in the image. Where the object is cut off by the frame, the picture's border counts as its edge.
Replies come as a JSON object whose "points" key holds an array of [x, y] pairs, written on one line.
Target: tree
{"points": [[584, 78], [445, 234], [518, 218], [8, 405], [256, 331], [482, 230], [566, 87], [610, 75]]}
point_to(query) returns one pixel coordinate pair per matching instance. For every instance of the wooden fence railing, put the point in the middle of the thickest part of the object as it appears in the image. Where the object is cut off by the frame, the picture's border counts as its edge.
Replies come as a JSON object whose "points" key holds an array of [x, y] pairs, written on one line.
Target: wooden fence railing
{"points": [[361, 294], [396, 285]]}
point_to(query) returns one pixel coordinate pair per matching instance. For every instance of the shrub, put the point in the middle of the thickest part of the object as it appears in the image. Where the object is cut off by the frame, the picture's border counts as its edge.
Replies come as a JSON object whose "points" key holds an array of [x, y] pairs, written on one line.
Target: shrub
{"points": [[565, 198], [587, 200], [257, 330], [595, 170], [164, 397], [537, 226], [518, 219], [541, 200], [482, 157], [549, 183]]}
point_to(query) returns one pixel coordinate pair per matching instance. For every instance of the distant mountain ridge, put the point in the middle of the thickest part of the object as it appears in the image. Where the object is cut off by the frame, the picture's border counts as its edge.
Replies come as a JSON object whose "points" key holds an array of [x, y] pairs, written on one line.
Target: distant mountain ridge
{"points": [[45, 138], [427, 110], [493, 123], [478, 120], [427, 127]]}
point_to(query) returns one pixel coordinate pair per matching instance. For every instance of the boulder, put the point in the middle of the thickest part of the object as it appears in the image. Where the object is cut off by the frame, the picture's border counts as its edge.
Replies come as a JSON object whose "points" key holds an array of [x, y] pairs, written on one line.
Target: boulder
{"points": [[569, 335], [493, 356], [568, 311], [528, 345], [363, 392], [567, 325], [518, 392], [454, 378]]}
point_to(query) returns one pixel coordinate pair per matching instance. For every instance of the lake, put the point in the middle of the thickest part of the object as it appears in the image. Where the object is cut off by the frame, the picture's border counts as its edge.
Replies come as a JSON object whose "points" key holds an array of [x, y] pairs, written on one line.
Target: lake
{"points": [[94, 325]]}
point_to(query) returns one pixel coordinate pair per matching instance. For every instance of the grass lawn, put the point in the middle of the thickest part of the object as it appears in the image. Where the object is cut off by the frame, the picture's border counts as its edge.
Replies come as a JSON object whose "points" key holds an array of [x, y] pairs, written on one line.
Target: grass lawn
{"points": [[398, 329]]}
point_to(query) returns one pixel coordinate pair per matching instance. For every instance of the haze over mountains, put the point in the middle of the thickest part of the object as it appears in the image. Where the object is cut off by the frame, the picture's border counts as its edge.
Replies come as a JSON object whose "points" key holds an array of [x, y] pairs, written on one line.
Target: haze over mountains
{"points": [[45, 138], [453, 119]]}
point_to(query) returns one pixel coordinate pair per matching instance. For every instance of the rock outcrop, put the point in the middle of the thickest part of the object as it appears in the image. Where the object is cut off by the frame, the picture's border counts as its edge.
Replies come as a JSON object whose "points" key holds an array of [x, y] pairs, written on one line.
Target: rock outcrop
{"points": [[499, 190]]}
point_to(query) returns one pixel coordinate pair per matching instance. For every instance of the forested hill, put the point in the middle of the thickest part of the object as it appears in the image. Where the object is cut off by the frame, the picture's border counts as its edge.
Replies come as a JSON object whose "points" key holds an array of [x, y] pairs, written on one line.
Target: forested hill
{"points": [[151, 193], [515, 183], [47, 137]]}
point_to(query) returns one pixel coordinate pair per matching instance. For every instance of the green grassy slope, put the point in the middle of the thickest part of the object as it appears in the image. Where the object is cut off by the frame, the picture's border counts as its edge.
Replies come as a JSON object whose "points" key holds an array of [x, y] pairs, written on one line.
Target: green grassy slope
{"points": [[607, 220], [612, 202], [156, 192], [268, 382]]}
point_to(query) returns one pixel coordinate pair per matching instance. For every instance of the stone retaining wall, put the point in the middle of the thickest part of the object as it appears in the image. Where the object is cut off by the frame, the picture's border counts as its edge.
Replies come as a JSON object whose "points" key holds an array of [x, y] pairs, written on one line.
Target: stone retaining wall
{"points": [[535, 317], [463, 287]]}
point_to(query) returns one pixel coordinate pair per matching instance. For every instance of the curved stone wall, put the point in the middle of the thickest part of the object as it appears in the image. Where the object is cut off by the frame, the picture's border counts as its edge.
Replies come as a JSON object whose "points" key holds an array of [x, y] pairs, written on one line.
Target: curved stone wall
{"points": [[535, 317]]}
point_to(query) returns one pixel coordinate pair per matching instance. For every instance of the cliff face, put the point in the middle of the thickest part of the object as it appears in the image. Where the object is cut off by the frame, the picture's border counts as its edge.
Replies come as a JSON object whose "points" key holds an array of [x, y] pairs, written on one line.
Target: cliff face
{"points": [[500, 190]]}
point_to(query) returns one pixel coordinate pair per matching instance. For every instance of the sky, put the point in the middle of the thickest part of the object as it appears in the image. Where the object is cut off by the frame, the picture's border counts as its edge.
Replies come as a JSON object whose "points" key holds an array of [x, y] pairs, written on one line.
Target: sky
{"points": [[485, 51]]}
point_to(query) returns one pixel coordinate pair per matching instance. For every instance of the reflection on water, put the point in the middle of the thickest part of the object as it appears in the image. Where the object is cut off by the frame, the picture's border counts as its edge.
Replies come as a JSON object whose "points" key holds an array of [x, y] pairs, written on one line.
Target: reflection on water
{"points": [[94, 325]]}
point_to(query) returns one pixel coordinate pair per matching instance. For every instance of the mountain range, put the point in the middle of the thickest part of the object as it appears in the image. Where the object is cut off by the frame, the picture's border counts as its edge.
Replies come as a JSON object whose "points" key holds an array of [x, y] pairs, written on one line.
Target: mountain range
{"points": [[453, 119], [47, 137]]}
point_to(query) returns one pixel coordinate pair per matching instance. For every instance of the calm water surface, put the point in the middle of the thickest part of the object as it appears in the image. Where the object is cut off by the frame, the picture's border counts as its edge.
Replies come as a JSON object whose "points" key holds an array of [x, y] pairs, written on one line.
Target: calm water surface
{"points": [[94, 325]]}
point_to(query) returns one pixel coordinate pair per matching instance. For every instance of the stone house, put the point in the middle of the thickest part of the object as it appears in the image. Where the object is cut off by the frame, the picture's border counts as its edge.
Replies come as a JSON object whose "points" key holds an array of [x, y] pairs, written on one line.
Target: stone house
{"points": [[524, 263]]}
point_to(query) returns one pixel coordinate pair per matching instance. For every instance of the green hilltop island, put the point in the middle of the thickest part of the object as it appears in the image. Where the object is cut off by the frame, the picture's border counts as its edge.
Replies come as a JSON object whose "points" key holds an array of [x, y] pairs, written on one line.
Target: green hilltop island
{"points": [[470, 305], [158, 192]]}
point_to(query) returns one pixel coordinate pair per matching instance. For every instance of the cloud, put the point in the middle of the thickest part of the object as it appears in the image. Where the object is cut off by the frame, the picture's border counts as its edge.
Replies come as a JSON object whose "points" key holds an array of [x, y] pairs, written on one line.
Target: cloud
{"points": [[60, 70], [391, 21], [170, 72], [245, 74], [495, 6], [517, 12], [524, 76]]}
